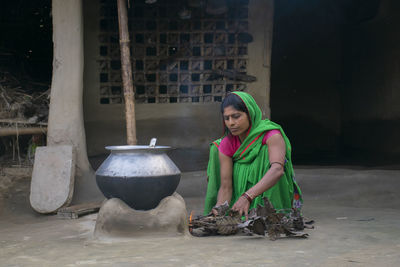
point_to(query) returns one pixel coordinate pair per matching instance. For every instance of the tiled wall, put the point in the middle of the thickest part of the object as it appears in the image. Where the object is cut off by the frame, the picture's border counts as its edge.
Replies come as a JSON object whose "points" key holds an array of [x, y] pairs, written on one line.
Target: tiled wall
{"points": [[173, 59]]}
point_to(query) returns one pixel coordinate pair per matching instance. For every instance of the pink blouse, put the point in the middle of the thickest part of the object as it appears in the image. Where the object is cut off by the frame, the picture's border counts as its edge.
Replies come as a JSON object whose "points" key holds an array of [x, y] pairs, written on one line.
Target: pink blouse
{"points": [[230, 144]]}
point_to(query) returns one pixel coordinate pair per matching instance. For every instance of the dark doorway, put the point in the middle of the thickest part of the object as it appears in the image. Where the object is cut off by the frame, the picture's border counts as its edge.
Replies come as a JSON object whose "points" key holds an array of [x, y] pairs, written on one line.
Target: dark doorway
{"points": [[333, 80]]}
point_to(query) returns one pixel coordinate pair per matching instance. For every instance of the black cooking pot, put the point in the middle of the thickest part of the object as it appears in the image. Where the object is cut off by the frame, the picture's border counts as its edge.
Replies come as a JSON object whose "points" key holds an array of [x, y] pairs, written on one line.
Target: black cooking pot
{"points": [[141, 176]]}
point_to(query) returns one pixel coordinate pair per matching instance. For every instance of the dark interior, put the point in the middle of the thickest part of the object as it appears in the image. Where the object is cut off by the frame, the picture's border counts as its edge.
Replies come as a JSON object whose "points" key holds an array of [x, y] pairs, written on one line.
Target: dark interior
{"points": [[26, 47], [335, 80]]}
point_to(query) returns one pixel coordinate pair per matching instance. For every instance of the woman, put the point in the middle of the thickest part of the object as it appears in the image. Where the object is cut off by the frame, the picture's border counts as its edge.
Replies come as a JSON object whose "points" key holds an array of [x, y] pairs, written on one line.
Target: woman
{"points": [[251, 161]]}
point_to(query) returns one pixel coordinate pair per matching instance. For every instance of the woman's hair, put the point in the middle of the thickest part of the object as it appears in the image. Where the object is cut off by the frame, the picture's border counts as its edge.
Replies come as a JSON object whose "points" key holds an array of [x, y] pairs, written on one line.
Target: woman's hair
{"points": [[236, 102]]}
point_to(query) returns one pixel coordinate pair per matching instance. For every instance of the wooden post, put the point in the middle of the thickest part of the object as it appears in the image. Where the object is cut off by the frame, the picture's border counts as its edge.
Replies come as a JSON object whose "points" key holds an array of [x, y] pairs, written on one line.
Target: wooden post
{"points": [[127, 73]]}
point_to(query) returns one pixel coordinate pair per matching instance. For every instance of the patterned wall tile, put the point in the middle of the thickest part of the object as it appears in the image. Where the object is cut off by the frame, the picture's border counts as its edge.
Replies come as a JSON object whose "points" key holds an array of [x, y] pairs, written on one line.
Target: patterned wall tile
{"points": [[173, 60]]}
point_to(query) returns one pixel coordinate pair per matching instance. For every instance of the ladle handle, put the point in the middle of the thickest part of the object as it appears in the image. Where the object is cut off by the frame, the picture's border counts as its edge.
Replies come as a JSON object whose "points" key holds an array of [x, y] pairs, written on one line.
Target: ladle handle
{"points": [[153, 142]]}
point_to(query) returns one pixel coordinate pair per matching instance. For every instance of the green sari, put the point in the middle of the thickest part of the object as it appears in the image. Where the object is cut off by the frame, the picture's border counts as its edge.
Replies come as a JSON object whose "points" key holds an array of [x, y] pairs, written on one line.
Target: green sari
{"points": [[250, 163]]}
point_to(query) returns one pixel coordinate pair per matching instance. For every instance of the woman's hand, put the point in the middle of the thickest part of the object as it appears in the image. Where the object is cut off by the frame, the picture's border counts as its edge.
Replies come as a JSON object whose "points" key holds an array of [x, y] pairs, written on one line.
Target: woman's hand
{"points": [[214, 212], [242, 205]]}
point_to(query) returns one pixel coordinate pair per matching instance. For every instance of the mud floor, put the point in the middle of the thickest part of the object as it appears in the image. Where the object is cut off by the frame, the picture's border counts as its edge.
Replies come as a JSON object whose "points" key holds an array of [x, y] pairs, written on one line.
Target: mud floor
{"points": [[356, 212]]}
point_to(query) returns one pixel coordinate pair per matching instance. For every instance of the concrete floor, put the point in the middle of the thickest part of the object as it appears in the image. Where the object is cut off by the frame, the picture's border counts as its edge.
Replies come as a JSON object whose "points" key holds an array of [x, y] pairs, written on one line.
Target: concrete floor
{"points": [[357, 224]]}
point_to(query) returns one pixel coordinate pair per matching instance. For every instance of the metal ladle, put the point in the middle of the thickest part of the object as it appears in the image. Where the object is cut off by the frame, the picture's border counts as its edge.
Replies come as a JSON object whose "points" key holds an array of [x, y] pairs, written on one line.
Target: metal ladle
{"points": [[153, 142]]}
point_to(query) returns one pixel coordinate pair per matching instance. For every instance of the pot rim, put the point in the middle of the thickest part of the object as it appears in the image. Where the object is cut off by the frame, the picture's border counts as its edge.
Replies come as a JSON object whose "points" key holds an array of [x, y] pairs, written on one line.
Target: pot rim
{"points": [[136, 148]]}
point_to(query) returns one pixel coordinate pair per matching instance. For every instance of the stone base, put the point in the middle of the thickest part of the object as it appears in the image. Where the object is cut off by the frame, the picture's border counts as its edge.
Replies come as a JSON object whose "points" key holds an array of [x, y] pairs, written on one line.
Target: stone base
{"points": [[117, 219]]}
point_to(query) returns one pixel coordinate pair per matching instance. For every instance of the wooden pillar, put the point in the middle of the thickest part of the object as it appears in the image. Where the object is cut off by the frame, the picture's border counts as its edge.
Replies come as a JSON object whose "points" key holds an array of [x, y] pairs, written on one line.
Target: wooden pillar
{"points": [[126, 68]]}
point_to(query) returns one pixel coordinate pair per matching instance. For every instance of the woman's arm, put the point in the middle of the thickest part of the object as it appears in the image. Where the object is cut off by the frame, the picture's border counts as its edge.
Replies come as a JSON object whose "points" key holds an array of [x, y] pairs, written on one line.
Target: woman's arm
{"points": [[225, 189], [276, 153]]}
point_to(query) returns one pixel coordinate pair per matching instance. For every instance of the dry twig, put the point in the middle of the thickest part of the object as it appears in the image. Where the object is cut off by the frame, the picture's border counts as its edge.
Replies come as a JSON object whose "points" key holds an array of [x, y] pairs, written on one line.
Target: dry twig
{"points": [[262, 219]]}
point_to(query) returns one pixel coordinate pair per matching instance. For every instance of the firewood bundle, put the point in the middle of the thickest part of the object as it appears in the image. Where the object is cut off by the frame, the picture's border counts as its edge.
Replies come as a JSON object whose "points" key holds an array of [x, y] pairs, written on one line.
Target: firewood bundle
{"points": [[262, 220]]}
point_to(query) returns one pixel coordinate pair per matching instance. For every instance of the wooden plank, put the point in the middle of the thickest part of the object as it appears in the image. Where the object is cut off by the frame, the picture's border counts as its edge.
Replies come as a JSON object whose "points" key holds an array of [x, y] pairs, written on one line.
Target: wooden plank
{"points": [[7, 131], [19, 121], [76, 211]]}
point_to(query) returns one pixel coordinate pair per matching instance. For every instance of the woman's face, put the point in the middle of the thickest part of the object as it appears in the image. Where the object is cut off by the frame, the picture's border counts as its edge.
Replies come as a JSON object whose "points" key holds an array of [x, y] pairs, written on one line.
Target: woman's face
{"points": [[236, 121]]}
